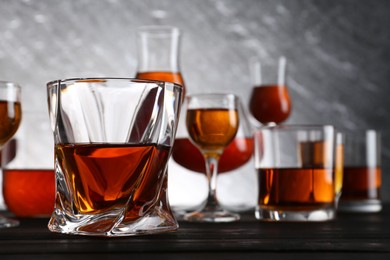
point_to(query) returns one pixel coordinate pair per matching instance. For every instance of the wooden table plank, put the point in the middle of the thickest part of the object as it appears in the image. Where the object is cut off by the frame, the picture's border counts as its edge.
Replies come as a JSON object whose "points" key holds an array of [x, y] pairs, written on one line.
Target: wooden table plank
{"points": [[349, 233]]}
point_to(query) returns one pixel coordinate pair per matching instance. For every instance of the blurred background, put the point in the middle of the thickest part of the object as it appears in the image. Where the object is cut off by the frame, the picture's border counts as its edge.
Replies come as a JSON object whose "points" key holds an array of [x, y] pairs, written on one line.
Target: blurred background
{"points": [[337, 50]]}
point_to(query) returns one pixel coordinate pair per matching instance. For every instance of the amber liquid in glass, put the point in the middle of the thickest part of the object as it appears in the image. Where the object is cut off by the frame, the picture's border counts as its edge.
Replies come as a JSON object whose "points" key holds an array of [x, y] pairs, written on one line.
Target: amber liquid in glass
{"points": [[212, 129], [10, 116], [270, 103], [296, 189], [174, 77], [339, 168], [236, 154], [105, 176], [361, 183], [29, 192]]}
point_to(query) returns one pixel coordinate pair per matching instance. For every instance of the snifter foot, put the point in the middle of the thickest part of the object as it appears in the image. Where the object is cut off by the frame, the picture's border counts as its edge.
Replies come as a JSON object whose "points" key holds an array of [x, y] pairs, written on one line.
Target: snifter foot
{"points": [[7, 222], [211, 216]]}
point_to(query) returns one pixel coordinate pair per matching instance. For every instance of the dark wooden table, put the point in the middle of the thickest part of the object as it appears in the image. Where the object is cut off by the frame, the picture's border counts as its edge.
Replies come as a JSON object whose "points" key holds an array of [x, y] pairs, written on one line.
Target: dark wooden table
{"points": [[350, 236]]}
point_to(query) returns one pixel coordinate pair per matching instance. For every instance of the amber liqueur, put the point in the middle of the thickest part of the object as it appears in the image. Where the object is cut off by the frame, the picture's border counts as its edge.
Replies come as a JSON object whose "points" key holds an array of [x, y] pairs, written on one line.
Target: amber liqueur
{"points": [[168, 76], [296, 188], [212, 129], [361, 183], [236, 154], [10, 117], [29, 192], [270, 103], [108, 176]]}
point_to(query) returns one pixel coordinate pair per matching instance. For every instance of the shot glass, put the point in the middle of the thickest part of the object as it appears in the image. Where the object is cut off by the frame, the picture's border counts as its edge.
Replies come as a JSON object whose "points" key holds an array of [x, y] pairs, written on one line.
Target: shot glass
{"points": [[362, 172], [296, 173], [112, 141]]}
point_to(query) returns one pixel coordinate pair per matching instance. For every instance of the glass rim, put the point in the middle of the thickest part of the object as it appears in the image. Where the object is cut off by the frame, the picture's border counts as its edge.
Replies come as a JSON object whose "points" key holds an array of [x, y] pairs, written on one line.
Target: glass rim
{"points": [[4, 83], [297, 127], [159, 30], [358, 131], [104, 79], [215, 94]]}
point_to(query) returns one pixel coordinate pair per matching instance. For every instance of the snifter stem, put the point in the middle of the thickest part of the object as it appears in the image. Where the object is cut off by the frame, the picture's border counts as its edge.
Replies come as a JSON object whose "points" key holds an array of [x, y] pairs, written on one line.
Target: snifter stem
{"points": [[211, 211], [212, 172], [4, 221]]}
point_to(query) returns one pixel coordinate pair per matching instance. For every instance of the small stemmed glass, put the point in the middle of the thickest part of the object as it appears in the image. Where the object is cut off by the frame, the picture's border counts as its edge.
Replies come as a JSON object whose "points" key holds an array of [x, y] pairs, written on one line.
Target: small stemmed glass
{"points": [[270, 102], [212, 122], [10, 117]]}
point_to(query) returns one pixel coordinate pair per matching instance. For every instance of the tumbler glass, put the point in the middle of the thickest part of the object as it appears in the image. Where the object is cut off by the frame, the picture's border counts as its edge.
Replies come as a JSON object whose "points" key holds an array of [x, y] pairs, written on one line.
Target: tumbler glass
{"points": [[296, 173], [362, 172], [113, 138]]}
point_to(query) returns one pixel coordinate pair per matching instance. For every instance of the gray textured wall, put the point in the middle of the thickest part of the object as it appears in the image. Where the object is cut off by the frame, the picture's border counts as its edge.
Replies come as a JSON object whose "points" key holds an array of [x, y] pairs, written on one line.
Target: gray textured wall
{"points": [[338, 52]]}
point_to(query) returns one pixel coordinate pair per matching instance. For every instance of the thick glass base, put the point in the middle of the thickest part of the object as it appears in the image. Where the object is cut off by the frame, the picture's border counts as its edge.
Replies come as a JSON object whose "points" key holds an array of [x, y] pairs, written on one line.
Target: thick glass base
{"points": [[211, 216], [111, 225], [360, 206], [323, 214], [7, 222]]}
